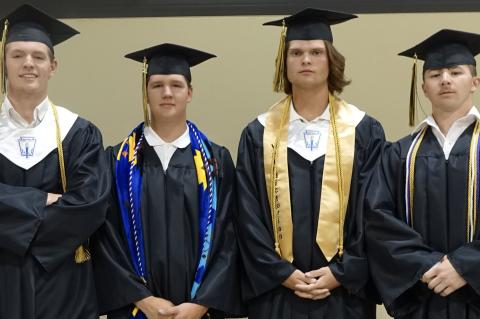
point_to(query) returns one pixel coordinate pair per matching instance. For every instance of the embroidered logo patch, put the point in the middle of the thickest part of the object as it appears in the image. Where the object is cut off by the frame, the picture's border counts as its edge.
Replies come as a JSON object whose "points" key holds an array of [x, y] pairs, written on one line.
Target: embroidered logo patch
{"points": [[312, 139], [27, 146]]}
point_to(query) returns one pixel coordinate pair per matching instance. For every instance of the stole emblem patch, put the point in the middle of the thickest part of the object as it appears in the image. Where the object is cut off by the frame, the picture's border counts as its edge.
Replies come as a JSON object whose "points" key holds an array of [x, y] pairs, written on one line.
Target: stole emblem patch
{"points": [[312, 139], [27, 145]]}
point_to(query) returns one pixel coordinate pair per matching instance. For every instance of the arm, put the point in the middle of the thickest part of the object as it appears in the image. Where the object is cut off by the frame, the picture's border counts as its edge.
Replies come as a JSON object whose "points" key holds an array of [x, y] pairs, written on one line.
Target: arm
{"points": [[117, 284], [21, 213], [81, 210], [265, 269], [351, 270], [393, 247], [220, 289]]}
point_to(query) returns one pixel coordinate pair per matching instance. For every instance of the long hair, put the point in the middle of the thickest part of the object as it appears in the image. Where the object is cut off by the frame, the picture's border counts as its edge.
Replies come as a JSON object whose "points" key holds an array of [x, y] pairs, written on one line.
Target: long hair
{"points": [[336, 70]]}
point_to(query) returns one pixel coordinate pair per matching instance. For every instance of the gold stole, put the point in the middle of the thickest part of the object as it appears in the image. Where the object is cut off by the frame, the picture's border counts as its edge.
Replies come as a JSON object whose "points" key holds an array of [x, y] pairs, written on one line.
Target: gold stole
{"points": [[338, 167]]}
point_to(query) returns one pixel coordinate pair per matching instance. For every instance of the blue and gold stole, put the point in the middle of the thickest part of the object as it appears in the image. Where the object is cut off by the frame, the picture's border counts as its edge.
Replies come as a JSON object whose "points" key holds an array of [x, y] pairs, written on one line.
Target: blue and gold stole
{"points": [[129, 190], [473, 191]]}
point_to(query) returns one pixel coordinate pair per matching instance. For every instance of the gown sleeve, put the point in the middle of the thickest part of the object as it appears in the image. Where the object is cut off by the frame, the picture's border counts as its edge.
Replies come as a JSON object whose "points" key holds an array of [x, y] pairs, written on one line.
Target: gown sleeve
{"points": [[220, 289], [111, 262], [352, 269], [81, 210], [398, 256]]}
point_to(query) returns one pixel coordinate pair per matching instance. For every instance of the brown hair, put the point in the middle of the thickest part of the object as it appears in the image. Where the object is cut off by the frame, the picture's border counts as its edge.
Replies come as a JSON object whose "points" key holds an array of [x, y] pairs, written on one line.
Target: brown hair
{"points": [[336, 75], [472, 68]]}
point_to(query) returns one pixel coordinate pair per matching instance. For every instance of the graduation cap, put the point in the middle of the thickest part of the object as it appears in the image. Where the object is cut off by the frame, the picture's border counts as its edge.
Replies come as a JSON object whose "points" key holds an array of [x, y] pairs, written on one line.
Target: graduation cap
{"points": [[27, 23], [166, 58], [444, 49], [308, 24]]}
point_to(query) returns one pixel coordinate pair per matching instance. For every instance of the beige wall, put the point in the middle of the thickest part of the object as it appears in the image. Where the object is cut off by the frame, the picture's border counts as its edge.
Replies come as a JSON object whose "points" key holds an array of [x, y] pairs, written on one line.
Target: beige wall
{"points": [[97, 82]]}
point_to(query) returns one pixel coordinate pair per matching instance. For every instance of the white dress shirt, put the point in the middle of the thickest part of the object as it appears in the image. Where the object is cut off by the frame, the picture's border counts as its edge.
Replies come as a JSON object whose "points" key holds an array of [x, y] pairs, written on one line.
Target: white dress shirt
{"points": [[15, 118], [458, 127], [164, 149], [307, 138]]}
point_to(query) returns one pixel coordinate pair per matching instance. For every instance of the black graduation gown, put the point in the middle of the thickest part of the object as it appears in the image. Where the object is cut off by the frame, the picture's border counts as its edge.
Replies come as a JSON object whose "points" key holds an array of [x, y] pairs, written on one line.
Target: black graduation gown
{"points": [[265, 270], [400, 255], [38, 275], [170, 225]]}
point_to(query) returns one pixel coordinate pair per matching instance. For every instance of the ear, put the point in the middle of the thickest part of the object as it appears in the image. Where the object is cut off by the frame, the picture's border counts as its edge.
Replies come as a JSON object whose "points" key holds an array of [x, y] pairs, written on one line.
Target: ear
{"points": [[424, 89], [53, 67], [475, 83], [190, 94]]}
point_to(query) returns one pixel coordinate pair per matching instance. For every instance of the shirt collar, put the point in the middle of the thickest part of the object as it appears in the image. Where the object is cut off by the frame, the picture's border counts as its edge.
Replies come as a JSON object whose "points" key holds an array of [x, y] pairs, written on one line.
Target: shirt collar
{"points": [[430, 121], [38, 113], [154, 140], [294, 116]]}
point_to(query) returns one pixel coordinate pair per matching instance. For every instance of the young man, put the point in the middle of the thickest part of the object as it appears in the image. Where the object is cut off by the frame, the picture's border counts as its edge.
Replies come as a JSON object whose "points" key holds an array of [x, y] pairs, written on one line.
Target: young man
{"points": [[301, 172], [53, 181], [422, 236], [168, 247]]}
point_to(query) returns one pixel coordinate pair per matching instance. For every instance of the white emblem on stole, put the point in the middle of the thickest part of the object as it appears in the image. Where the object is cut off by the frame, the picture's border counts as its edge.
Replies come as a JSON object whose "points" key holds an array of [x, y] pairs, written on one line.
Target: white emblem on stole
{"points": [[27, 145], [312, 139]]}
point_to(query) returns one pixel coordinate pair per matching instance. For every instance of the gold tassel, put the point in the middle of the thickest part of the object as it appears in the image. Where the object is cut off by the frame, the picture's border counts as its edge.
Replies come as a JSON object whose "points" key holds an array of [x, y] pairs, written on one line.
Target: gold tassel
{"points": [[81, 253], [413, 93], [278, 80], [3, 80], [146, 113]]}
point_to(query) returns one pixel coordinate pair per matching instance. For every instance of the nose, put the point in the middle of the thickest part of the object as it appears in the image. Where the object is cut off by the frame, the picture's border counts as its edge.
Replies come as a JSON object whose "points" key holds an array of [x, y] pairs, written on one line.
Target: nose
{"points": [[28, 62], [306, 59], [167, 92], [446, 79]]}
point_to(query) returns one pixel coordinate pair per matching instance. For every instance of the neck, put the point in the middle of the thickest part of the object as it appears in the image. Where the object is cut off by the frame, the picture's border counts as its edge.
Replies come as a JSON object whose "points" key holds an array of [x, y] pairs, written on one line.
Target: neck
{"points": [[169, 130], [446, 118], [25, 104], [310, 104]]}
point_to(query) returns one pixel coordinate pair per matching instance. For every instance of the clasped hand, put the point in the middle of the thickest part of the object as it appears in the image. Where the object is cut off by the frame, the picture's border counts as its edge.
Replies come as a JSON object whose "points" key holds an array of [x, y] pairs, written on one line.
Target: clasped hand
{"points": [[315, 284]]}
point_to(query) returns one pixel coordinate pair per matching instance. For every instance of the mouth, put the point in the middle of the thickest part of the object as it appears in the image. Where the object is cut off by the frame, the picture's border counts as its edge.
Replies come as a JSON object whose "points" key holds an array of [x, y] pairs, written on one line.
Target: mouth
{"points": [[28, 76], [167, 104], [447, 92], [306, 72]]}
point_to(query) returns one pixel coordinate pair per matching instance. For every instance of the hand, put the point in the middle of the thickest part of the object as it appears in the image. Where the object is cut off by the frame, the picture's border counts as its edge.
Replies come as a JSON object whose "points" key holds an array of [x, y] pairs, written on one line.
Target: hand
{"points": [[151, 306], [296, 278], [443, 279], [185, 310], [324, 282], [52, 198]]}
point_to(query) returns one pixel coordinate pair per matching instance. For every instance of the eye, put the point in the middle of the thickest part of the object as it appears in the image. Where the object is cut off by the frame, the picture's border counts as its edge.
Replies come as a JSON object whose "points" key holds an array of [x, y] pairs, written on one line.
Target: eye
{"points": [[295, 53], [316, 52]]}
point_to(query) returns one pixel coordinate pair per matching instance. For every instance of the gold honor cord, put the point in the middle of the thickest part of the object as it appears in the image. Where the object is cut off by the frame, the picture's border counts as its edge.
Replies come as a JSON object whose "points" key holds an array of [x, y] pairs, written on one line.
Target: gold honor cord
{"points": [[81, 253], [472, 183], [412, 172], [338, 162], [3, 79]]}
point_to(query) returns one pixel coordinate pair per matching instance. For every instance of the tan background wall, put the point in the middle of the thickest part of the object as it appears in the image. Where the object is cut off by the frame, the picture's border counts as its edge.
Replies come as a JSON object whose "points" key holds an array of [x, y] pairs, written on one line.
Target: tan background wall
{"points": [[95, 80]]}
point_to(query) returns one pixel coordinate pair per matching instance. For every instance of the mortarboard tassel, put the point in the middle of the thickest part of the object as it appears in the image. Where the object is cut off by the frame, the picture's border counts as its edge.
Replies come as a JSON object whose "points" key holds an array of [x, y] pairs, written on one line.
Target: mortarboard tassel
{"points": [[3, 80], [146, 113], [278, 81], [413, 93]]}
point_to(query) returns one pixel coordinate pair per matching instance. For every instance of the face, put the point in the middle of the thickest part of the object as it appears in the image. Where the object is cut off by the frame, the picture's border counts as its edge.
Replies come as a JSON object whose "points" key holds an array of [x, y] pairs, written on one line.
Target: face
{"points": [[307, 64], [450, 89], [168, 96], [29, 66]]}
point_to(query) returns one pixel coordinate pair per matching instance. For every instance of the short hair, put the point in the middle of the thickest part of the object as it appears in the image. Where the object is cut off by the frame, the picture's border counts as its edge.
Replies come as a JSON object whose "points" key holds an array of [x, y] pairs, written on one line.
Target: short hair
{"points": [[336, 70]]}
